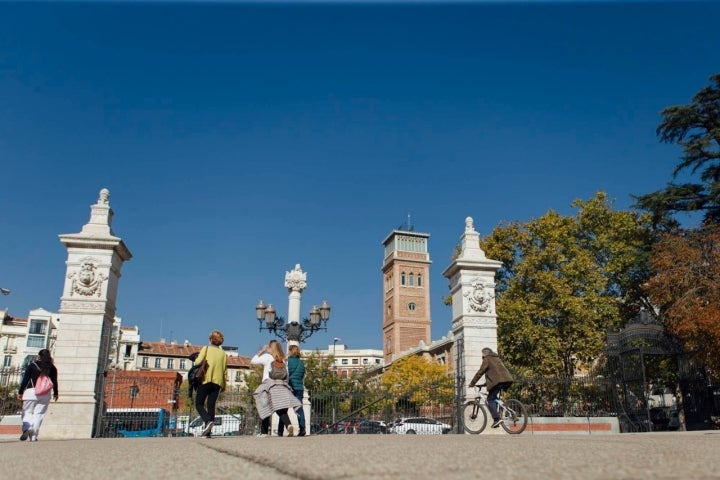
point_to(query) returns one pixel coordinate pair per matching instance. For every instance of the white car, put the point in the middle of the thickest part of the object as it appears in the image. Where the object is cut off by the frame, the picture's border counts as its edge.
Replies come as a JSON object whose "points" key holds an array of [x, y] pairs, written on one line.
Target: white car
{"points": [[224, 425], [419, 425]]}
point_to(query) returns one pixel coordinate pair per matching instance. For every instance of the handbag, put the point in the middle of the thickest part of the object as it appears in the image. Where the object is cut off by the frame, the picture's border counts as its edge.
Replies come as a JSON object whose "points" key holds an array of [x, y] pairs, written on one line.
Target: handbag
{"points": [[43, 384], [201, 371]]}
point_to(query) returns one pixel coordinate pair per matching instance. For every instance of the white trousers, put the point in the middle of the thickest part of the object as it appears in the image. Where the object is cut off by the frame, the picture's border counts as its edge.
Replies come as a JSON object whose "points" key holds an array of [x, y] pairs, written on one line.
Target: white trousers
{"points": [[33, 410]]}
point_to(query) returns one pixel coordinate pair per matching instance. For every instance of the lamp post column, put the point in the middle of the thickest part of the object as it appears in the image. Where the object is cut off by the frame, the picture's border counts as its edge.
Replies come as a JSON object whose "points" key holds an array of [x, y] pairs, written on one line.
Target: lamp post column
{"points": [[295, 282]]}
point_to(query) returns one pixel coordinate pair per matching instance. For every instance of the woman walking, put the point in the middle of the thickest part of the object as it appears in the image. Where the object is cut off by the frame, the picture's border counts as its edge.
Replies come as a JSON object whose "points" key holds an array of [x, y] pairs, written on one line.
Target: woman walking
{"points": [[35, 405], [273, 395], [213, 382]]}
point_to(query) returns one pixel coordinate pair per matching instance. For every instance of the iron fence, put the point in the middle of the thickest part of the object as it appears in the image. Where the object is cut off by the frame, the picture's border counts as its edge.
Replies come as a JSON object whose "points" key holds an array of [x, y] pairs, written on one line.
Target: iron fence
{"points": [[578, 396], [10, 378], [128, 408]]}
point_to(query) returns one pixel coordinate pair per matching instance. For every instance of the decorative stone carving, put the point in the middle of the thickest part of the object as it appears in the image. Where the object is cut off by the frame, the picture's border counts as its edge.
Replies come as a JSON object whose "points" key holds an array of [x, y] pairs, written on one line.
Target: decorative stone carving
{"points": [[475, 322], [104, 198], [479, 297], [98, 306], [295, 280], [87, 281]]}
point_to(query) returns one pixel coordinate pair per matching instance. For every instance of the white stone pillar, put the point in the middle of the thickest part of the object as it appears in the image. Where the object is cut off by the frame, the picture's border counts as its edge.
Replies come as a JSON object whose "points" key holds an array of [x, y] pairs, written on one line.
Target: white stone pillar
{"points": [[295, 282], [472, 287], [87, 312]]}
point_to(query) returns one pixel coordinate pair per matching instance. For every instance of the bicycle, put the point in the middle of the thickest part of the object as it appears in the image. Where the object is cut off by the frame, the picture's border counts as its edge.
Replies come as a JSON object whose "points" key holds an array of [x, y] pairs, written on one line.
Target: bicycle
{"points": [[512, 412]]}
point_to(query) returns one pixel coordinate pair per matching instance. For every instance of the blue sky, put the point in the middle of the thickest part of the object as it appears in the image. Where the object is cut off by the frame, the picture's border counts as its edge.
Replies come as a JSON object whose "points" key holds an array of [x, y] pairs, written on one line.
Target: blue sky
{"points": [[239, 139]]}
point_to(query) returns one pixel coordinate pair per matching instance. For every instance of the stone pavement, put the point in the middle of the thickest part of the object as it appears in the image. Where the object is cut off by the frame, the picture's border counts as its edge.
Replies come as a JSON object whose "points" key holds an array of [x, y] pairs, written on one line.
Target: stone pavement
{"points": [[684, 455]]}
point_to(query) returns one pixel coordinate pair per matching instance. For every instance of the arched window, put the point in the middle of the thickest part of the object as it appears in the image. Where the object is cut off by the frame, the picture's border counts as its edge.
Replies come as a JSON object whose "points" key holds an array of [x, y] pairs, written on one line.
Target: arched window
{"points": [[419, 282], [411, 281], [402, 278]]}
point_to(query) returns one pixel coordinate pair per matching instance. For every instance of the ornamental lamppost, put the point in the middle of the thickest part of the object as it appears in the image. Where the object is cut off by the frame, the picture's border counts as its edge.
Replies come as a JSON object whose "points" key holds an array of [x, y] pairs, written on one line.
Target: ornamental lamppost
{"points": [[294, 330]]}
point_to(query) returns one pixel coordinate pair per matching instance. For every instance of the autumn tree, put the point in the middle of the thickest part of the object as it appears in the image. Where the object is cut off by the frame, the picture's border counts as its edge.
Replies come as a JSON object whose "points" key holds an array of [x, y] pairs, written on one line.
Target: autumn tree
{"points": [[418, 381], [565, 280], [696, 128], [686, 290]]}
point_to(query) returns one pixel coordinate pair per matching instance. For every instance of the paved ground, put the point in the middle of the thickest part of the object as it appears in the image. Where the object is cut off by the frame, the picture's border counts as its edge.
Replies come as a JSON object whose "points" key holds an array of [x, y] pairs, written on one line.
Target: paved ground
{"points": [[657, 456]]}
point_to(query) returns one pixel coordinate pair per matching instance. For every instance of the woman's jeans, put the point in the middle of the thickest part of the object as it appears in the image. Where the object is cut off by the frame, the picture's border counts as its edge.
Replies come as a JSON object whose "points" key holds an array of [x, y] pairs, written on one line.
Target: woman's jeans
{"points": [[301, 411], [209, 392]]}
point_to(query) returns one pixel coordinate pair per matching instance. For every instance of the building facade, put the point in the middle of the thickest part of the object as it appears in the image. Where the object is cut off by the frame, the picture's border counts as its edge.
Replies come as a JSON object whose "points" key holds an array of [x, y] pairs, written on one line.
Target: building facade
{"points": [[348, 361]]}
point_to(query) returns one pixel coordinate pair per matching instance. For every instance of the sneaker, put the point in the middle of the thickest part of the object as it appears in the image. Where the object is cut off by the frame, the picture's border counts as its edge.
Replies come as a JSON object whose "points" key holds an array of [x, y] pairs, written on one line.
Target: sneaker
{"points": [[497, 423], [208, 429], [291, 430], [26, 434], [262, 434]]}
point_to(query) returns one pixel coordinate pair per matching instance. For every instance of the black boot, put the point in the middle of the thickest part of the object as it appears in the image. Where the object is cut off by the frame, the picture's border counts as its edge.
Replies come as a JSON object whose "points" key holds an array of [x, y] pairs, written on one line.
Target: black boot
{"points": [[301, 433]]}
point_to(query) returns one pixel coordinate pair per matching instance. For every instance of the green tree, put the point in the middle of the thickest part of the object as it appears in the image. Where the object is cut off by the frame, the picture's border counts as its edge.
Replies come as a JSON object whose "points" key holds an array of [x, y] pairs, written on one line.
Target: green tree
{"points": [[564, 281], [325, 387], [696, 128]]}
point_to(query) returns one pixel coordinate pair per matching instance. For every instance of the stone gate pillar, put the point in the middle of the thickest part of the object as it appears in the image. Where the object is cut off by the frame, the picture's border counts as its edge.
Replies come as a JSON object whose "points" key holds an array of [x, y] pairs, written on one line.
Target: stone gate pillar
{"points": [[87, 311], [472, 287]]}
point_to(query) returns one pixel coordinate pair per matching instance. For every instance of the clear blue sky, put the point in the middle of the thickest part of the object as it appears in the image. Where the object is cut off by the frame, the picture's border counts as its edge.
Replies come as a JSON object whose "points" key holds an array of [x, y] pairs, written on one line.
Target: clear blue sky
{"points": [[238, 140]]}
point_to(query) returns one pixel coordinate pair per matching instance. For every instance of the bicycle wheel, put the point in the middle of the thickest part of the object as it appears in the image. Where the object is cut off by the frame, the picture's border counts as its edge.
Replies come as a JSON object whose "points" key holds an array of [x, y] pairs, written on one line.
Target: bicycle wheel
{"points": [[474, 417], [514, 417]]}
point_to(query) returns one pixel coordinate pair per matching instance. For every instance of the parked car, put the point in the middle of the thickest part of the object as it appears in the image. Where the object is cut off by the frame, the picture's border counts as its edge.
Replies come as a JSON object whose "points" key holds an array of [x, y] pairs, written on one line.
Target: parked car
{"points": [[420, 425], [372, 426], [224, 425]]}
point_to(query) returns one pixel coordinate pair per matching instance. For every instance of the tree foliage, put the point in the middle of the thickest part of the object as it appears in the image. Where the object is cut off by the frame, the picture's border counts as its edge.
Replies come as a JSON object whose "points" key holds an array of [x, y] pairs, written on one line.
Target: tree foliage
{"points": [[423, 382], [565, 280], [696, 128], [320, 375], [686, 290]]}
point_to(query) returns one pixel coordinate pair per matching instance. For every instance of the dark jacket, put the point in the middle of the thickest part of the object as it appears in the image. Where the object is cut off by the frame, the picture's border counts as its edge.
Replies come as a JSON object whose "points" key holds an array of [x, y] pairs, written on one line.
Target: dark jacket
{"points": [[296, 373], [494, 371], [32, 372]]}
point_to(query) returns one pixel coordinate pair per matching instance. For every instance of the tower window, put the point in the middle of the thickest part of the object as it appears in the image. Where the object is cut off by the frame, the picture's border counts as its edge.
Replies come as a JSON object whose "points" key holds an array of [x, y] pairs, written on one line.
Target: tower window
{"points": [[411, 279], [411, 306], [419, 280], [402, 278]]}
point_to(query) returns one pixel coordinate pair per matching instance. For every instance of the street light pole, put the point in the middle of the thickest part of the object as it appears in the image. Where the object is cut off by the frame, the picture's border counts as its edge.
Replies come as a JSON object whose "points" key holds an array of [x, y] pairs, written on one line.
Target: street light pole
{"points": [[294, 330]]}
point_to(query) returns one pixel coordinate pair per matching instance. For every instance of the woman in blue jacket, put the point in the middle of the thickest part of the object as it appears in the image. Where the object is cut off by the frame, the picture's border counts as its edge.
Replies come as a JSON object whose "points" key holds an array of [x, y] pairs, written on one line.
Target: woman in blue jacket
{"points": [[296, 375]]}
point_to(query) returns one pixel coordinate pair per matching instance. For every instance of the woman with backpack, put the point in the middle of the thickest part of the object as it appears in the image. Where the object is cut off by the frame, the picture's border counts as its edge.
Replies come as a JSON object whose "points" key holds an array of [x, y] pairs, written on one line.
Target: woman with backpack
{"points": [[274, 394], [35, 403]]}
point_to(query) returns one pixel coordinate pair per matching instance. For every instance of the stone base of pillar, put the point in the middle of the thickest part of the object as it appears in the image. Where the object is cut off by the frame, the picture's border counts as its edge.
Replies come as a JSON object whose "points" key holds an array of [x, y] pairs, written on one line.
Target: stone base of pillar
{"points": [[70, 418]]}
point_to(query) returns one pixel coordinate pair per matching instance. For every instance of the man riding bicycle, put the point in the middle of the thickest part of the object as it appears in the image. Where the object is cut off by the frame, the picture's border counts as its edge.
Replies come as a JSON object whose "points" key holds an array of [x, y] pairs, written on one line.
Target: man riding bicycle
{"points": [[497, 378]]}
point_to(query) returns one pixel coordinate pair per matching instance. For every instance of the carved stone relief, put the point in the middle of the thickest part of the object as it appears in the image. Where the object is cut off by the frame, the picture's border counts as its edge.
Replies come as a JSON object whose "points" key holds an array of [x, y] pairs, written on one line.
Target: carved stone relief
{"points": [[87, 281], [296, 279], [479, 297], [475, 322], [84, 306]]}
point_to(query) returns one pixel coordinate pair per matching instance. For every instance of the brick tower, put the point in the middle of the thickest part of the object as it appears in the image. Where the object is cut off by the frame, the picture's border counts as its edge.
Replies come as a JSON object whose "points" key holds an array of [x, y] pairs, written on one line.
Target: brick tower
{"points": [[406, 291]]}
